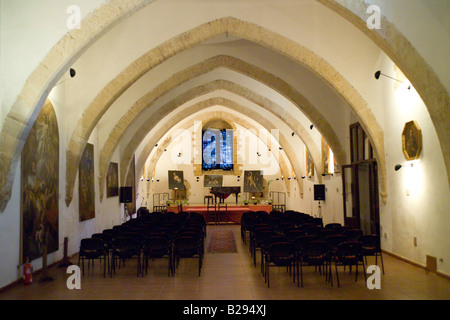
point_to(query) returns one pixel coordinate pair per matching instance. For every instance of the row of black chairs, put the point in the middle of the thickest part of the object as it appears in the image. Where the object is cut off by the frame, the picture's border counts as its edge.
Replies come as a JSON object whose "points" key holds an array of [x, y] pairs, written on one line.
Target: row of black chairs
{"points": [[299, 240], [150, 236]]}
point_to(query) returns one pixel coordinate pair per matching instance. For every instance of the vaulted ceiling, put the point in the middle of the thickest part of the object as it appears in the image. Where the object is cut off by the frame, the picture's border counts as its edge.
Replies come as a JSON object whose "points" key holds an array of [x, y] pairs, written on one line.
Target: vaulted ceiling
{"points": [[142, 68]]}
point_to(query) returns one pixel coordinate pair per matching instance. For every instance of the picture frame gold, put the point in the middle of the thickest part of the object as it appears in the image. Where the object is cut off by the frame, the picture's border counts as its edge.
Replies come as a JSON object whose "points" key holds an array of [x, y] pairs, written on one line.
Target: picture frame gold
{"points": [[411, 140]]}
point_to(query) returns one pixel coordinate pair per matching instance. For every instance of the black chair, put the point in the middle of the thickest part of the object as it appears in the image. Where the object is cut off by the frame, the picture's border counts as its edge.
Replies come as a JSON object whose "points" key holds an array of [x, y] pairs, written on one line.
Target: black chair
{"points": [[315, 254], [157, 247], [324, 233], [333, 225], [259, 238], [188, 246], [349, 253], [353, 234], [125, 248], [92, 249], [371, 247], [268, 241], [107, 241], [279, 254], [333, 242], [248, 220], [293, 234]]}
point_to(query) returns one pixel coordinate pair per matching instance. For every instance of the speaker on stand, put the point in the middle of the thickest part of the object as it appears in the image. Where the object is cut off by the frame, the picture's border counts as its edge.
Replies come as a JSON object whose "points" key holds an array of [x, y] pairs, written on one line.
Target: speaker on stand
{"points": [[125, 197], [319, 195]]}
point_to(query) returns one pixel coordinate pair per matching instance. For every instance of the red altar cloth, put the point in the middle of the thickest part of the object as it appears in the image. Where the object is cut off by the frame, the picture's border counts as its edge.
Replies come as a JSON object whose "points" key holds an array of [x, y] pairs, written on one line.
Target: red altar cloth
{"points": [[234, 211]]}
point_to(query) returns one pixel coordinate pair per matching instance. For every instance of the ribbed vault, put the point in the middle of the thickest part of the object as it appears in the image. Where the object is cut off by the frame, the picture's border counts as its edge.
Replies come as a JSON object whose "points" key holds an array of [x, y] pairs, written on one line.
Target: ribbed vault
{"points": [[20, 119]]}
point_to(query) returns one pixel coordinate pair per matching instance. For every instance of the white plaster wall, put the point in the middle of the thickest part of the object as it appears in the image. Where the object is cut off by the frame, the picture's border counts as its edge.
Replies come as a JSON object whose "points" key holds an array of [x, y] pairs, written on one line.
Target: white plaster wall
{"points": [[419, 196]]}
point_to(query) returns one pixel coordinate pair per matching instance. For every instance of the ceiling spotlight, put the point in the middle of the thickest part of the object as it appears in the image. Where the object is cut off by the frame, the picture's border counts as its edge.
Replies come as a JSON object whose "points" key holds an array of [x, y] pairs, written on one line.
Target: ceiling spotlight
{"points": [[303, 177], [280, 148], [379, 73], [179, 154], [293, 133], [311, 126], [72, 74], [398, 167]]}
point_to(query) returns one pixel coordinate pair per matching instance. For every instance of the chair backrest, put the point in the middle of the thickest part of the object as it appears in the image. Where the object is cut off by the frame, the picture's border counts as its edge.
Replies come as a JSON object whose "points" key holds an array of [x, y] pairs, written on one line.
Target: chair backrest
{"points": [[106, 238], [92, 245], [315, 248], [333, 225], [281, 253], [292, 234], [269, 241], [353, 234], [322, 234], [349, 251], [370, 242], [127, 245], [334, 241], [301, 241], [156, 246]]}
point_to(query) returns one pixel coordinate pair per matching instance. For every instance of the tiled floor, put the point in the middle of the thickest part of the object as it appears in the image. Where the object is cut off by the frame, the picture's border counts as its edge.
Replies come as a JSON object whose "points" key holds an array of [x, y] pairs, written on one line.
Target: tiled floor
{"points": [[232, 276]]}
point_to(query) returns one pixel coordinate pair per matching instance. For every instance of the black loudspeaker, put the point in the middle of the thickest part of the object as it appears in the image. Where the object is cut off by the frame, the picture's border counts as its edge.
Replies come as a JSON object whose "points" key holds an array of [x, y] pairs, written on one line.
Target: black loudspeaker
{"points": [[126, 194], [319, 192]]}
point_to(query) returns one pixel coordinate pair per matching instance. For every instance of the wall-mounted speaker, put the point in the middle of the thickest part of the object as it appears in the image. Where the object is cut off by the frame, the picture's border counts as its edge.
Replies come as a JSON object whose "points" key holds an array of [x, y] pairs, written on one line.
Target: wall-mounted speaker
{"points": [[319, 192], [126, 195]]}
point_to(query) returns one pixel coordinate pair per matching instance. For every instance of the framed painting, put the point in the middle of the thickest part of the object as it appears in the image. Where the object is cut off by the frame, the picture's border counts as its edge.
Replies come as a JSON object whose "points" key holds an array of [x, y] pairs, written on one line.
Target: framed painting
{"points": [[412, 140], [210, 180], [112, 180], [176, 180], [40, 186], [253, 181], [86, 184], [131, 181]]}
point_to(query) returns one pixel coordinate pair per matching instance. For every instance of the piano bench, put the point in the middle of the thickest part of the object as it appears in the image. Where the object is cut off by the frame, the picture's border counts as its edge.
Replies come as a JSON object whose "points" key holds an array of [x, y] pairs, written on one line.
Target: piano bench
{"points": [[210, 198]]}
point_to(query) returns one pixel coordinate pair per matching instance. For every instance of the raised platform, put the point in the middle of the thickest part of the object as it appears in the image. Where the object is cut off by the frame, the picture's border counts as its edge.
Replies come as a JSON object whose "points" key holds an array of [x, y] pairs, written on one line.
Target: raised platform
{"points": [[233, 214]]}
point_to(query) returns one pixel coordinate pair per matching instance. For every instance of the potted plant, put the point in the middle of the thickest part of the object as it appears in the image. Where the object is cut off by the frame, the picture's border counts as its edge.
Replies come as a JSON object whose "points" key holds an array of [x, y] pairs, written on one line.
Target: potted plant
{"points": [[169, 203], [246, 202]]}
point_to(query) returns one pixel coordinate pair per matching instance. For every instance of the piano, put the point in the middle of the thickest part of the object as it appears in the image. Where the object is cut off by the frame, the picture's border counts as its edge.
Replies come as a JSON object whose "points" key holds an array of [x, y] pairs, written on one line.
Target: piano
{"points": [[224, 192]]}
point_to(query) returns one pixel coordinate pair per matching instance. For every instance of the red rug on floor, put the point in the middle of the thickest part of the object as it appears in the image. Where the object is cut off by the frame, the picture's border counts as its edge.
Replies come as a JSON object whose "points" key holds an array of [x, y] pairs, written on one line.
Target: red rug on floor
{"points": [[222, 242]]}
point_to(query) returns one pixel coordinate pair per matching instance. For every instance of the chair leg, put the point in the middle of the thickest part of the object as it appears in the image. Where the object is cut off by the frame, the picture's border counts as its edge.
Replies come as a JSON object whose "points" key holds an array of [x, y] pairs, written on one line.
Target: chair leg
{"points": [[382, 264], [301, 273], [337, 275]]}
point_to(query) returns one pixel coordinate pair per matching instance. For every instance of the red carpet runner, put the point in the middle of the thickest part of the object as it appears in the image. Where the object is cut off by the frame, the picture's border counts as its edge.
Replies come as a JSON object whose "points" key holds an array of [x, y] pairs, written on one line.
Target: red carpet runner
{"points": [[222, 242]]}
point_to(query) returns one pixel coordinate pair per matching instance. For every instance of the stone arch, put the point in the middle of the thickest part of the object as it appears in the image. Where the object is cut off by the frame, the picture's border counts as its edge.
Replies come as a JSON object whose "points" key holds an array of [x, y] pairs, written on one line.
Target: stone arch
{"points": [[264, 103], [395, 45], [17, 123], [127, 155], [157, 155], [251, 32]]}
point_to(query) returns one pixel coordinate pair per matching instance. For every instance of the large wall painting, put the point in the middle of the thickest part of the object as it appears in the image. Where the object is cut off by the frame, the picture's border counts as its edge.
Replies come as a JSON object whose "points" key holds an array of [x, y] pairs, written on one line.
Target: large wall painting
{"points": [[86, 184], [40, 186]]}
